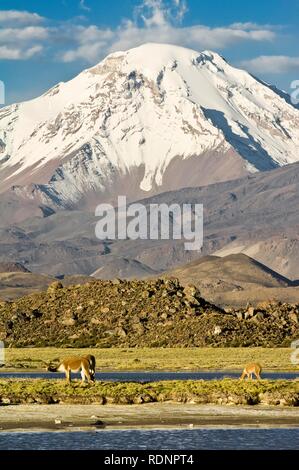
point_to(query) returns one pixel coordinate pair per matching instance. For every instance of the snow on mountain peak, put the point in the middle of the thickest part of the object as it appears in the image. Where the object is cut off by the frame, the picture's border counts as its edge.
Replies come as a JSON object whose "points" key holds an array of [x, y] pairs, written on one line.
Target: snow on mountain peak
{"points": [[143, 109], [151, 58]]}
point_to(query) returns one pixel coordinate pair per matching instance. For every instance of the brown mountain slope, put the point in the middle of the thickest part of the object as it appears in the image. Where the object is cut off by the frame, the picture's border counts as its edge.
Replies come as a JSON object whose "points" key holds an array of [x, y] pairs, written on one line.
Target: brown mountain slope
{"points": [[279, 251], [232, 271], [10, 267], [123, 268], [17, 284], [260, 213], [236, 280]]}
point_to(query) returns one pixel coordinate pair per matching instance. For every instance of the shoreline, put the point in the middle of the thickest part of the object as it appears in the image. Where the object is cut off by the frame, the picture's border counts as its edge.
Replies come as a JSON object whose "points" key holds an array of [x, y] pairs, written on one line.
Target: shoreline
{"points": [[38, 370], [66, 418]]}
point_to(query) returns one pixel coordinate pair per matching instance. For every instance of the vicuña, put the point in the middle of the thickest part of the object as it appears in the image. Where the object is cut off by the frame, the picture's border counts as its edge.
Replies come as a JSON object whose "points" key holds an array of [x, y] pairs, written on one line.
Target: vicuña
{"points": [[85, 364], [250, 369]]}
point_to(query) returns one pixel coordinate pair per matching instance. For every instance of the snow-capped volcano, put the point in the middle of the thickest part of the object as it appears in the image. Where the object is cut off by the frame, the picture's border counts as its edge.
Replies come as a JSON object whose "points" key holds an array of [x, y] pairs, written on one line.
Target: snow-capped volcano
{"points": [[152, 118]]}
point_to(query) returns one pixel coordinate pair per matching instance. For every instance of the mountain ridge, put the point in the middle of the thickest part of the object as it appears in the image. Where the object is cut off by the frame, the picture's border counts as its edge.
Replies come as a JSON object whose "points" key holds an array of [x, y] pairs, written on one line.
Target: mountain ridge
{"points": [[257, 215]]}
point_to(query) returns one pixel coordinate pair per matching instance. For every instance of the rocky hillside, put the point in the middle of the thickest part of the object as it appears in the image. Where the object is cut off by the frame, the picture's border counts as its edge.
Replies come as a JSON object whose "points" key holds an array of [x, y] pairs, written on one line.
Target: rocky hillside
{"points": [[140, 313]]}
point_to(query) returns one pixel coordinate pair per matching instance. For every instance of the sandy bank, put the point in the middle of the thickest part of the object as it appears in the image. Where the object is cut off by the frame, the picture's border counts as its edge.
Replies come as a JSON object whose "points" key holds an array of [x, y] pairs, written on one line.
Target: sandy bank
{"points": [[157, 415]]}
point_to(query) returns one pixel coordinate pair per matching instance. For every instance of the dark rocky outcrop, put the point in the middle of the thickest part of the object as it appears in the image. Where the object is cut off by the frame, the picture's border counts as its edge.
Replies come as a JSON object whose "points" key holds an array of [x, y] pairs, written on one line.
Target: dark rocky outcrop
{"points": [[155, 313]]}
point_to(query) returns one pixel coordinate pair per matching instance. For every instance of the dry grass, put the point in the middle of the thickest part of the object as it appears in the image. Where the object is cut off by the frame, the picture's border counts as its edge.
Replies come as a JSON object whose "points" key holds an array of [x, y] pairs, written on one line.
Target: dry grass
{"points": [[172, 359]]}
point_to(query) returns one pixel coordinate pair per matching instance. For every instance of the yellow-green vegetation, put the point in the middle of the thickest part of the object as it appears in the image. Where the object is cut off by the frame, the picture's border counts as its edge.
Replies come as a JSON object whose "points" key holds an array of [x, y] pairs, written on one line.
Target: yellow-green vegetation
{"points": [[176, 359], [226, 391]]}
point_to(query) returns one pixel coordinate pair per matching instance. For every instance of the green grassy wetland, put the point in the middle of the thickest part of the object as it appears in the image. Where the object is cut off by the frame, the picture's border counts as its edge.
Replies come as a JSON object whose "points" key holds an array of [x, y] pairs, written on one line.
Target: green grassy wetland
{"points": [[226, 391]]}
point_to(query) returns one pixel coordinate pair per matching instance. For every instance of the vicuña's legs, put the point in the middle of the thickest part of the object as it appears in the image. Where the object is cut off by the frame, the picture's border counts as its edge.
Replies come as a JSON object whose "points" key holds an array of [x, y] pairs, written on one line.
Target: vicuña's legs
{"points": [[85, 373], [68, 375]]}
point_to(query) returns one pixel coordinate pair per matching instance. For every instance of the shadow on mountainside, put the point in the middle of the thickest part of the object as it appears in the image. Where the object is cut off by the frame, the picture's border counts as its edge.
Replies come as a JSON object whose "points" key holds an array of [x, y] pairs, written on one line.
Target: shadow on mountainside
{"points": [[257, 156]]}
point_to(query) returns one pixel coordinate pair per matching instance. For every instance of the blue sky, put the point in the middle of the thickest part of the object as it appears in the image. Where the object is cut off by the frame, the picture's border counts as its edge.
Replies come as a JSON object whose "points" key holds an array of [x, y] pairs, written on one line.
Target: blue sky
{"points": [[44, 42]]}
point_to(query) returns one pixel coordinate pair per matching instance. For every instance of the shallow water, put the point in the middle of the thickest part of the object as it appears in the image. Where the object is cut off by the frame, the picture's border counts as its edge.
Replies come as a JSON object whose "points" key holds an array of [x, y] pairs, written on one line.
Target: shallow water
{"points": [[203, 438], [150, 376]]}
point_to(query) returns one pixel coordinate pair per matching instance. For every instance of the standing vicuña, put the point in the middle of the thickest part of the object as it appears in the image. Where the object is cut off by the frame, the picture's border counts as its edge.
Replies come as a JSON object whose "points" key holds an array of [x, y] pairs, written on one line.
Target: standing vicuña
{"points": [[85, 364], [250, 369]]}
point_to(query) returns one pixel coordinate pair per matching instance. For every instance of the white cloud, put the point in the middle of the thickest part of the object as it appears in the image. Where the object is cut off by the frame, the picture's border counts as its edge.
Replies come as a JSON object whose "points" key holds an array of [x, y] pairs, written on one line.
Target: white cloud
{"points": [[32, 51], [19, 17], [93, 33], [182, 9], [251, 25], [18, 35], [272, 64], [87, 51], [158, 21], [153, 21], [221, 37], [12, 53], [160, 13], [21, 35], [9, 53], [83, 6], [153, 13], [22, 43]]}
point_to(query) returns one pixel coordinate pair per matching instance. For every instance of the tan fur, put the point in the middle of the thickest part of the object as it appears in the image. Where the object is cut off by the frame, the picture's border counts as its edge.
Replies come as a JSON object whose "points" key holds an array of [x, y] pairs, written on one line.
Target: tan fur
{"points": [[84, 364], [250, 369]]}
